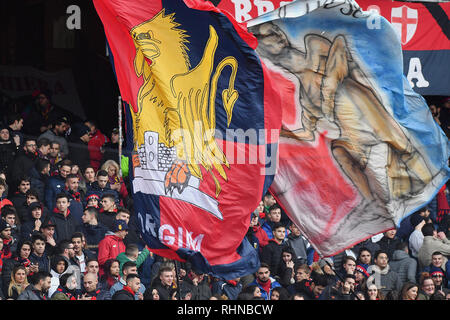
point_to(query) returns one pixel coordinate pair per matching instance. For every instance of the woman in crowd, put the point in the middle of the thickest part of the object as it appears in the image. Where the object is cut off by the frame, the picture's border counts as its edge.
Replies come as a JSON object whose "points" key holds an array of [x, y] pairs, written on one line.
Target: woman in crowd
{"points": [[115, 180], [111, 270], [409, 291], [18, 282]]}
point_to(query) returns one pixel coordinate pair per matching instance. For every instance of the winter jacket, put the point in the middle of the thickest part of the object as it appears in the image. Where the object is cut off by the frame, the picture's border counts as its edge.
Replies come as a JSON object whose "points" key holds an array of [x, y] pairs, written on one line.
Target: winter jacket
{"points": [[94, 234], [109, 248], [264, 294], [125, 294], [271, 254], [300, 246], [79, 152], [97, 140], [430, 245], [23, 162], [44, 261], [388, 245], [386, 279], [31, 293], [404, 266], [107, 218], [55, 185], [98, 294], [38, 182], [229, 288], [66, 226], [7, 155], [95, 188], [201, 291], [119, 286]]}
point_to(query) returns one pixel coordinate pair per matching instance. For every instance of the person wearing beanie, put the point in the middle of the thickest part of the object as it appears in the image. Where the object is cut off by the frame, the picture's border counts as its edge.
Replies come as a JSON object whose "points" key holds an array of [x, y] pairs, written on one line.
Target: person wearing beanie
{"points": [[78, 145], [34, 224]]}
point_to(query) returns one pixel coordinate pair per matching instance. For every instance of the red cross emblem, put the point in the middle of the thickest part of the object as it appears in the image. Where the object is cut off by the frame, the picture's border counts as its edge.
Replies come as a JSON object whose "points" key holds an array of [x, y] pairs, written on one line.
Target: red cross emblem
{"points": [[404, 20]]}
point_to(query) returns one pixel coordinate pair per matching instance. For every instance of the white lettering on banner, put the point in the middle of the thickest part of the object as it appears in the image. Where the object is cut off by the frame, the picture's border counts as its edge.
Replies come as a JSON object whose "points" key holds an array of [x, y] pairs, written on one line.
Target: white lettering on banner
{"points": [[415, 72], [242, 9], [74, 20], [374, 20], [264, 6], [148, 225], [168, 236]]}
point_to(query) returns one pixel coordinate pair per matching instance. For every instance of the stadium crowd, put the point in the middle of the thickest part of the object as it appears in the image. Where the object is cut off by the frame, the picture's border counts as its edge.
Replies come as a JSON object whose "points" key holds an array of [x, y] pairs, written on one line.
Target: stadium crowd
{"points": [[68, 231]]}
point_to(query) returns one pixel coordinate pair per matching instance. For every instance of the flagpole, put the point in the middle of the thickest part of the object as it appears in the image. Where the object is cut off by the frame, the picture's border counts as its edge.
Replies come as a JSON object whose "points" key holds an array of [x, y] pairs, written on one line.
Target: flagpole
{"points": [[178, 280], [119, 106]]}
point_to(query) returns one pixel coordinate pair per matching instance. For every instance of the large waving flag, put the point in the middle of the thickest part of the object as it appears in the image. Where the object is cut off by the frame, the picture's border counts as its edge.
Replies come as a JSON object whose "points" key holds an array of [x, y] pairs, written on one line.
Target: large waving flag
{"points": [[359, 150], [203, 136]]}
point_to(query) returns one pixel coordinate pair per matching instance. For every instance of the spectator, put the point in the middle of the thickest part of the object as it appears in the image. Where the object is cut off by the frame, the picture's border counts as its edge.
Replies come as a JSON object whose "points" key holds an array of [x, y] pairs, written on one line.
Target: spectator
{"points": [[37, 290], [340, 290], [9, 243], [364, 257], [68, 287], [382, 275], [101, 186], [264, 281], [54, 156], [48, 231], [132, 254], [92, 266], [312, 288], [196, 282], [403, 264], [298, 243], [229, 288], [279, 293], [110, 149], [418, 220], [93, 230], [39, 175], [56, 184], [89, 178], [91, 290], [66, 250], [8, 150], [112, 245], [78, 144], [409, 291], [43, 148], [20, 196], [427, 288], [108, 211], [76, 196], [98, 139], [271, 254], [438, 262], [3, 194], [373, 293], [433, 241], [20, 258], [129, 268], [57, 134], [66, 223], [111, 274], [348, 266], [437, 275], [34, 224], [164, 286], [130, 290], [9, 214], [255, 234], [115, 181], [286, 273], [92, 200], [82, 255], [58, 267], [24, 161], [389, 242], [38, 256], [17, 283], [272, 217], [14, 121]]}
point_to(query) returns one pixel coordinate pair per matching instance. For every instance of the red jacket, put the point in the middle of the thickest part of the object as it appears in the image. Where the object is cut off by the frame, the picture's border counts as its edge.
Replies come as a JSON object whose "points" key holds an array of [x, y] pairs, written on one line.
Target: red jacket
{"points": [[109, 248], [261, 235], [94, 145]]}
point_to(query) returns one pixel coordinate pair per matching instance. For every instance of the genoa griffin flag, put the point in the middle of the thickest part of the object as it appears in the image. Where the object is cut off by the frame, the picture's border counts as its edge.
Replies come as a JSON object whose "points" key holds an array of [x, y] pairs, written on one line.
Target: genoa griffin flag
{"points": [[198, 119], [359, 150]]}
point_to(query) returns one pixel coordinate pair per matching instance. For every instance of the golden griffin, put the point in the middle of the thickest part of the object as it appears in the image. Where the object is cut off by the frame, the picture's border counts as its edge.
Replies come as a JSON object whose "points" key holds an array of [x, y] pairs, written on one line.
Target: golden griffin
{"points": [[178, 102]]}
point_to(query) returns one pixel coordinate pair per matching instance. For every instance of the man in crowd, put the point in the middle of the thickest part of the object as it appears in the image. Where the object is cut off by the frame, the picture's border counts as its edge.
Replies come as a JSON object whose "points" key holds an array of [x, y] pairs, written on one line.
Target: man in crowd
{"points": [[129, 268], [264, 281], [382, 276], [57, 133], [56, 184], [98, 139], [40, 282], [128, 292]]}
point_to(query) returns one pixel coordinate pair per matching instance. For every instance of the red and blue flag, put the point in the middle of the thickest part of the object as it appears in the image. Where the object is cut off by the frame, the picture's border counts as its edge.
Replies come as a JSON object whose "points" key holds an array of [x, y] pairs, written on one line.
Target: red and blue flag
{"points": [[202, 124]]}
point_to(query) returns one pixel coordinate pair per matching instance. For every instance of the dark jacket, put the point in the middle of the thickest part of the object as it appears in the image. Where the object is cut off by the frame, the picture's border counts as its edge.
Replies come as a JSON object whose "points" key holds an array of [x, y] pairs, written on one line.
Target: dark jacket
{"points": [[44, 261], [66, 226], [388, 245], [79, 153], [55, 185], [94, 234], [123, 294], [404, 266], [7, 155], [229, 288], [300, 246], [201, 291], [31, 293], [271, 254], [38, 182], [19, 201], [95, 188], [98, 294], [23, 162]]}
